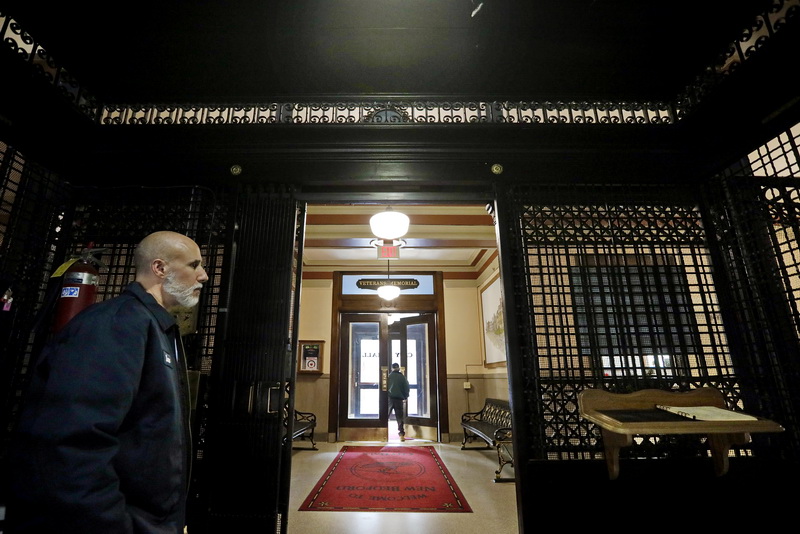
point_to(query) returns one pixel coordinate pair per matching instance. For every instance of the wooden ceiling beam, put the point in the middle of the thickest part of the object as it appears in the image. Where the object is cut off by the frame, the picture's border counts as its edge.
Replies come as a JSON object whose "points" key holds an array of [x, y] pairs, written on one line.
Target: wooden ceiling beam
{"points": [[410, 243]]}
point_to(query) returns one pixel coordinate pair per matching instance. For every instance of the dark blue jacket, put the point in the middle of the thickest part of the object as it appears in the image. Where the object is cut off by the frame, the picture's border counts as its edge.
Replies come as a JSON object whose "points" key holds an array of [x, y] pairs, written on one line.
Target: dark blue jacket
{"points": [[398, 386], [103, 442]]}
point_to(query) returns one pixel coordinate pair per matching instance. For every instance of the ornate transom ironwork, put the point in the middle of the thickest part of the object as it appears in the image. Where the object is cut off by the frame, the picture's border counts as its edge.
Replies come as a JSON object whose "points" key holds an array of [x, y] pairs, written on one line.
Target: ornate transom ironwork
{"points": [[751, 39]]}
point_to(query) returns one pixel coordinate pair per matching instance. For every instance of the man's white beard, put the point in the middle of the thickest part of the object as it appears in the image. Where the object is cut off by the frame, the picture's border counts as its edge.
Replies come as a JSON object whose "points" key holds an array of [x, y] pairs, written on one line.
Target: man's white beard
{"points": [[183, 294]]}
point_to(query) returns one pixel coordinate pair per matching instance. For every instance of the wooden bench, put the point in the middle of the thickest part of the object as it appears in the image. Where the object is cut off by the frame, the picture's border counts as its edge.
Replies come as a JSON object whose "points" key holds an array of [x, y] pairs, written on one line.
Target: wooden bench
{"points": [[620, 416], [303, 429], [492, 424]]}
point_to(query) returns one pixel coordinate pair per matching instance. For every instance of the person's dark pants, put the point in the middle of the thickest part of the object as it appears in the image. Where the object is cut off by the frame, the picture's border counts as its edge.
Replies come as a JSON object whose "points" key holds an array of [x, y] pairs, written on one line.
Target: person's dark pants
{"points": [[397, 406]]}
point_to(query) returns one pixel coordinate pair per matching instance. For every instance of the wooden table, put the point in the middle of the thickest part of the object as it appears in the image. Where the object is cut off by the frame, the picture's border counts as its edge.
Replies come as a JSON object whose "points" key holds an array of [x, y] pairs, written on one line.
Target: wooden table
{"points": [[623, 415]]}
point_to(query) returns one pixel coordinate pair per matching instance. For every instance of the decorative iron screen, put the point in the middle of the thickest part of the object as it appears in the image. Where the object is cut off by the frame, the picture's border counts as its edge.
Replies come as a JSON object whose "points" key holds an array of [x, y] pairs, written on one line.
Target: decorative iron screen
{"points": [[43, 228], [116, 219], [755, 207], [417, 111], [31, 232], [778, 157], [621, 294], [634, 315]]}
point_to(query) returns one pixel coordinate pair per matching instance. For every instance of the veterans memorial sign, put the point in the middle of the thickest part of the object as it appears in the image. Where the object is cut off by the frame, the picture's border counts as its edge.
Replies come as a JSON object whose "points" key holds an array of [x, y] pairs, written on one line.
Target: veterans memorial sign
{"points": [[375, 283]]}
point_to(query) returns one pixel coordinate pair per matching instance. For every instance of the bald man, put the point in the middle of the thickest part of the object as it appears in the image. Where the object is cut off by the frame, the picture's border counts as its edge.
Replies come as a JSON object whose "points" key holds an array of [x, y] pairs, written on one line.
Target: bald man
{"points": [[103, 441]]}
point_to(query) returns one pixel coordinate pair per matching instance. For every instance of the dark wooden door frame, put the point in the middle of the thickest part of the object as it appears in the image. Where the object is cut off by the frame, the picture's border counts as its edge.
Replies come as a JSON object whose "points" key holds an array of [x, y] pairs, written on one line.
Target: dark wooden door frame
{"points": [[369, 304]]}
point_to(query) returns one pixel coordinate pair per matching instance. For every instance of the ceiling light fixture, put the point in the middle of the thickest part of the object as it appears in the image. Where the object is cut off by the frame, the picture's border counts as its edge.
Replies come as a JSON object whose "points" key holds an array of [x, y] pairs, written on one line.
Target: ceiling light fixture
{"points": [[389, 224], [387, 291]]}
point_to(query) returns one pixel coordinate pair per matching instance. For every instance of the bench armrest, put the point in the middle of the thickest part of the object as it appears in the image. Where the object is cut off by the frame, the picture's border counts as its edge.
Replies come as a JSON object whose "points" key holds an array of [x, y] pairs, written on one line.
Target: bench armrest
{"points": [[305, 416], [502, 434]]}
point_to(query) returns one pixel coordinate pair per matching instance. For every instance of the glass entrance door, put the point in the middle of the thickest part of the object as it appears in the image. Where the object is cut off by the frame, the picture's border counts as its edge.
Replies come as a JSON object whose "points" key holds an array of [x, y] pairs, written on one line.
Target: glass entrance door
{"points": [[412, 346], [364, 413], [370, 344]]}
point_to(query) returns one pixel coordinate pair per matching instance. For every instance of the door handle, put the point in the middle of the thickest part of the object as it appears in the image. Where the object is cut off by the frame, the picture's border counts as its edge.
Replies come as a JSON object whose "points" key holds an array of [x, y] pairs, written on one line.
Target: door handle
{"points": [[270, 391], [263, 396]]}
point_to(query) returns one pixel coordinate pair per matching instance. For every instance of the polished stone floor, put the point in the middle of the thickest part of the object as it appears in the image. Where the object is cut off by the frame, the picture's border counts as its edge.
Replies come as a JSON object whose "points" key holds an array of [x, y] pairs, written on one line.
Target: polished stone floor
{"points": [[492, 503]]}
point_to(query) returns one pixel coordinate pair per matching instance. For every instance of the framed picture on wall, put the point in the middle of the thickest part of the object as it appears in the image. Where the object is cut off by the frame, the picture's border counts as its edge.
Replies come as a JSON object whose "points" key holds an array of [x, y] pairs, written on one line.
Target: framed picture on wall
{"points": [[310, 356], [493, 331]]}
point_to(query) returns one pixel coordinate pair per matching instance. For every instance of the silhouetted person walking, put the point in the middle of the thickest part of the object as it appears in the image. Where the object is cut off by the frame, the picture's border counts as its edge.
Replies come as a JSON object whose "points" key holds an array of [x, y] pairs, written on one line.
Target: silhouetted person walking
{"points": [[398, 393]]}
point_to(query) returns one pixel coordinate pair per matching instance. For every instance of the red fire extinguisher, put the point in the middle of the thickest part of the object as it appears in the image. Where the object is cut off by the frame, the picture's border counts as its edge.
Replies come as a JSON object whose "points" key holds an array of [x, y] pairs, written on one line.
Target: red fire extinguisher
{"points": [[78, 286]]}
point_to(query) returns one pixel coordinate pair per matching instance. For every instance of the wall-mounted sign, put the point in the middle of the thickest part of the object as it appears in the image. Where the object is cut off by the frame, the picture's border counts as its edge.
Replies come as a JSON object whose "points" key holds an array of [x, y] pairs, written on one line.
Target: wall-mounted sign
{"points": [[375, 283], [310, 356]]}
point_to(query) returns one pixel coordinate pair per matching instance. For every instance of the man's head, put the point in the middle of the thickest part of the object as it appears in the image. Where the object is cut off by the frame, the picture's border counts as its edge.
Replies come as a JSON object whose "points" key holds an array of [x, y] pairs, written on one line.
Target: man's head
{"points": [[395, 366], [169, 266]]}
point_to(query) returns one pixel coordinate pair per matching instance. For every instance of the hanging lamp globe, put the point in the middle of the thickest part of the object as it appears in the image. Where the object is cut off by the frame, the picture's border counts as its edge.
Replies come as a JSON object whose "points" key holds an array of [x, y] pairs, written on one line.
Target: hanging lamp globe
{"points": [[388, 292], [389, 224]]}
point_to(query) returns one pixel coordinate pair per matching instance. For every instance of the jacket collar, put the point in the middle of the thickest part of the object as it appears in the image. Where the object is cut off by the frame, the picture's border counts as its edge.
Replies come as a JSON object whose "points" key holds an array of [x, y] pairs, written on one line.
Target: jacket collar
{"points": [[164, 318]]}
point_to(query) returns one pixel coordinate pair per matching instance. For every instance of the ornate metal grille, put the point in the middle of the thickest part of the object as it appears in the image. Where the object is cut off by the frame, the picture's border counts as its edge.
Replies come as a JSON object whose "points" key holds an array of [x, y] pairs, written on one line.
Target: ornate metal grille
{"points": [[395, 112], [419, 111], [634, 315], [784, 210], [620, 295], [754, 208], [31, 236], [117, 219], [25, 47], [756, 224], [751, 40], [44, 221], [246, 416], [778, 157]]}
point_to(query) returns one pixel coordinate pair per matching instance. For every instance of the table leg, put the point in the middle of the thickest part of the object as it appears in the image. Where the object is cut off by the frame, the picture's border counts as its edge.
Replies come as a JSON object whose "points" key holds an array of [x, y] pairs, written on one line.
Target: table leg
{"points": [[720, 444], [612, 442]]}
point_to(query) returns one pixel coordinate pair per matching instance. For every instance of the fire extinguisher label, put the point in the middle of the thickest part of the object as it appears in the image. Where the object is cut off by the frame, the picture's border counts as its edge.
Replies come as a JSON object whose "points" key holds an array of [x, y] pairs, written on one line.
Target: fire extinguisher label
{"points": [[70, 292], [81, 278]]}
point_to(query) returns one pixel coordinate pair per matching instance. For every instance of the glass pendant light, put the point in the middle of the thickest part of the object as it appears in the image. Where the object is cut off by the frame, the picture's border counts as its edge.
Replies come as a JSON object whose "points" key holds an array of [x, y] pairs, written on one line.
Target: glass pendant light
{"points": [[389, 224], [388, 291]]}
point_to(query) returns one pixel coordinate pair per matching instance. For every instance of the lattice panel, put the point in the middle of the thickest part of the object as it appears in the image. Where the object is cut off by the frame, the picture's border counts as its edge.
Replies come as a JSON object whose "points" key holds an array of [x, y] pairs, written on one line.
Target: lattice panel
{"points": [[621, 295], [750, 41], [394, 112], [757, 229], [778, 157], [611, 224], [630, 318], [784, 208], [31, 228], [117, 219]]}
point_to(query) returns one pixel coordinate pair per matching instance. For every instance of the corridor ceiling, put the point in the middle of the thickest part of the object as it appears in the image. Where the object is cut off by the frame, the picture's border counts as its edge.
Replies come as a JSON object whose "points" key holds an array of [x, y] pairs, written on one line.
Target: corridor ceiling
{"points": [[173, 51], [457, 239]]}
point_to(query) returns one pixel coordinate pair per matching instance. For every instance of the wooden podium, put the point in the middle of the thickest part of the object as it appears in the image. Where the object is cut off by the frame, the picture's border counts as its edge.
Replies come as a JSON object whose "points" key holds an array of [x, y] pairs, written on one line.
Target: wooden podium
{"points": [[623, 415]]}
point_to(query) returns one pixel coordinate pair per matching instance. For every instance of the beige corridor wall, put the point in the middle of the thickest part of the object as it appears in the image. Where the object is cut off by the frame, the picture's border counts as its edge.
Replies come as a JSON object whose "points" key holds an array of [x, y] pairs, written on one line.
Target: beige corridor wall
{"points": [[312, 390], [463, 345], [465, 355]]}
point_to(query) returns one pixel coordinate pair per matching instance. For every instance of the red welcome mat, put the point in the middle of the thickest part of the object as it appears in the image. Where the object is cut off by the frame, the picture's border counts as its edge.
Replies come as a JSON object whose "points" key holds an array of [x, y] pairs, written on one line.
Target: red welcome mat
{"points": [[386, 479]]}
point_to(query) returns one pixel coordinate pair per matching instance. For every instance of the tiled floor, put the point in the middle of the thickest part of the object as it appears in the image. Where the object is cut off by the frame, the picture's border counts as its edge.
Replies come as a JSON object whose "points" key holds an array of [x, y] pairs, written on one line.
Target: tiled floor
{"points": [[492, 503]]}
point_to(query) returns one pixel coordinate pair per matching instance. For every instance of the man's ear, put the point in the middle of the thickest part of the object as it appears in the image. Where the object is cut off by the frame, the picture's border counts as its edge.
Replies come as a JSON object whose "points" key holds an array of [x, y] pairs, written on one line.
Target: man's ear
{"points": [[159, 268]]}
